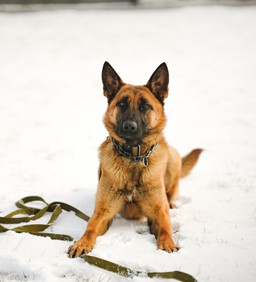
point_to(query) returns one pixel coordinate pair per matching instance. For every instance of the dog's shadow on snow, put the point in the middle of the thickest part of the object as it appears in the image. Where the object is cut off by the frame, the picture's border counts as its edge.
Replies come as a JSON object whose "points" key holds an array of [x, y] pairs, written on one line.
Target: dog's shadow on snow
{"points": [[181, 201]]}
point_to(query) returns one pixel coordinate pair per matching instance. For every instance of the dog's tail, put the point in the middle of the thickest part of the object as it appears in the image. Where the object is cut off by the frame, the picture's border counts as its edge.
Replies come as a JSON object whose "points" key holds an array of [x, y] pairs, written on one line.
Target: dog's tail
{"points": [[189, 161]]}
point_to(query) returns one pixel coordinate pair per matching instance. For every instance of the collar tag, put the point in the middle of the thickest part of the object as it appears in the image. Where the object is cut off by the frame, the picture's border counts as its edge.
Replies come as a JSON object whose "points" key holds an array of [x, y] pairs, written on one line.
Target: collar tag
{"points": [[145, 161]]}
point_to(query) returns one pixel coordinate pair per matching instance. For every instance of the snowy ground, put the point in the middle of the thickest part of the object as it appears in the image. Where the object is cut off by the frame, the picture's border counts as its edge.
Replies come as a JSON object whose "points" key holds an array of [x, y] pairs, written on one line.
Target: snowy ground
{"points": [[51, 109]]}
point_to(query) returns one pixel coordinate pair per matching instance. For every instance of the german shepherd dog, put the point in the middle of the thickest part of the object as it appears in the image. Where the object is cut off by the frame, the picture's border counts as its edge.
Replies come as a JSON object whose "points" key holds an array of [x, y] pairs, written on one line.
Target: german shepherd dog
{"points": [[139, 173]]}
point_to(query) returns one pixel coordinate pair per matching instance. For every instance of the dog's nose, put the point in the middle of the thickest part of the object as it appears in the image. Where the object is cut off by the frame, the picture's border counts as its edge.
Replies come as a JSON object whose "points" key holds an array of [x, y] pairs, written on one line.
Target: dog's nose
{"points": [[130, 126]]}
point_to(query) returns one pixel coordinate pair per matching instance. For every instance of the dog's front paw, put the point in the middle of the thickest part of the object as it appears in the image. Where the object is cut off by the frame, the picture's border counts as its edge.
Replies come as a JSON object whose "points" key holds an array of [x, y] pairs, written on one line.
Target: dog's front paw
{"points": [[165, 243], [81, 247]]}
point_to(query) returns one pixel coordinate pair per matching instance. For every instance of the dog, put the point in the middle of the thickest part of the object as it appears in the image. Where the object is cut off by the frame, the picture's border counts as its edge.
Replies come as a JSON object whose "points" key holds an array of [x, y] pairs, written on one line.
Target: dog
{"points": [[138, 173]]}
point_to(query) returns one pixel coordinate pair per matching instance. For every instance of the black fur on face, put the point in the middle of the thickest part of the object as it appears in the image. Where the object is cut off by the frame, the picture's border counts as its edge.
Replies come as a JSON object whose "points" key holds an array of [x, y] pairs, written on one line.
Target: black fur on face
{"points": [[131, 120]]}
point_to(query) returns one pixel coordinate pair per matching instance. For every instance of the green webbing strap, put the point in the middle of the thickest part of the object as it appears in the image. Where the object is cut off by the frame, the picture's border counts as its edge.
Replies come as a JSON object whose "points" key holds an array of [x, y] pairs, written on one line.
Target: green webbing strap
{"points": [[127, 272], [32, 214]]}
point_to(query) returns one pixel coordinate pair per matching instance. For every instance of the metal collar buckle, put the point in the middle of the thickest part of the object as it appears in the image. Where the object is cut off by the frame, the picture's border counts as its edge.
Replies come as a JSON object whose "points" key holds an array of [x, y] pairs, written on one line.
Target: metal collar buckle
{"points": [[143, 158]]}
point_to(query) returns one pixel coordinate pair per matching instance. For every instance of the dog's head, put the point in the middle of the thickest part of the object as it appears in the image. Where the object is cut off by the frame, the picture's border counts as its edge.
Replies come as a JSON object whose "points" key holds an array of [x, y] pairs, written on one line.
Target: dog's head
{"points": [[135, 113]]}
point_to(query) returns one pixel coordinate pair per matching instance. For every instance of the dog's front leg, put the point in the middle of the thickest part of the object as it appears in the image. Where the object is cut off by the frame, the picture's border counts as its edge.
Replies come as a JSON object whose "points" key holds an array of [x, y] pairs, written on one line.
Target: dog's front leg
{"points": [[157, 211], [98, 224]]}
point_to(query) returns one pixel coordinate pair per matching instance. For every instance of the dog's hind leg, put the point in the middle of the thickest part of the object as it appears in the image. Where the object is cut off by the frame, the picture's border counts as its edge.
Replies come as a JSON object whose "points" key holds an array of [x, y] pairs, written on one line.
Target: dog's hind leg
{"points": [[172, 193], [172, 176]]}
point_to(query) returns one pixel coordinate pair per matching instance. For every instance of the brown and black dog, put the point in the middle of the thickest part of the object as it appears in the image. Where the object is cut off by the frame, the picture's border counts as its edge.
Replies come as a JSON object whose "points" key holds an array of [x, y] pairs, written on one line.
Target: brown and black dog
{"points": [[139, 173]]}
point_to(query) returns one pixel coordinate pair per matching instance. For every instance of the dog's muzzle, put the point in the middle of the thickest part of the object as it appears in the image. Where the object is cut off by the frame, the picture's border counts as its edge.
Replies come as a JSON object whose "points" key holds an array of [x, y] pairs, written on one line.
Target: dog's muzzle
{"points": [[131, 131], [130, 127]]}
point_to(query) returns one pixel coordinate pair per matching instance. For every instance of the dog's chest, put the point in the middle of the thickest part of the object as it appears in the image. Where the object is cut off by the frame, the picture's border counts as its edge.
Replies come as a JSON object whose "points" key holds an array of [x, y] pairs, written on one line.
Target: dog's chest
{"points": [[132, 188], [130, 193]]}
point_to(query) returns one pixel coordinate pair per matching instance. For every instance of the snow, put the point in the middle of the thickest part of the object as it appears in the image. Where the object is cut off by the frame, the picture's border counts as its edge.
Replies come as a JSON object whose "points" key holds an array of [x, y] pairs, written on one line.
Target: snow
{"points": [[51, 110]]}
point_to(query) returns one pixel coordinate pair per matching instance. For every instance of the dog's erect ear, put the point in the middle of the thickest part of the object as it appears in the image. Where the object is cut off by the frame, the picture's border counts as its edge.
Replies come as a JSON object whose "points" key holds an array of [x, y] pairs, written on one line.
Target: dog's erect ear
{"points": [[111, 81], [158, 82]]}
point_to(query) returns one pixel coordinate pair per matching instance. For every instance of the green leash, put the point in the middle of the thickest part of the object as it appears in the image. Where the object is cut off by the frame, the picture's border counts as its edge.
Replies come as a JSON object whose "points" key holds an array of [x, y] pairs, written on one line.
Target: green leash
{"points": [[55, 208]]}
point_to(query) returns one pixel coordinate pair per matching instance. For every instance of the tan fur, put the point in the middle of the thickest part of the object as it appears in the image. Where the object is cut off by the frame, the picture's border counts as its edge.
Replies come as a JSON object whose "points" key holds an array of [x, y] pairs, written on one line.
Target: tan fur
{"points": [[130, 188], [189, 161]]}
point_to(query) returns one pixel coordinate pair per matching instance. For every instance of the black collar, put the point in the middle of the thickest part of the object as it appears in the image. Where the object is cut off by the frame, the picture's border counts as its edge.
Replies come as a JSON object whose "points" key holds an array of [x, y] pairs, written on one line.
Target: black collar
{"points": [[125, 153]]}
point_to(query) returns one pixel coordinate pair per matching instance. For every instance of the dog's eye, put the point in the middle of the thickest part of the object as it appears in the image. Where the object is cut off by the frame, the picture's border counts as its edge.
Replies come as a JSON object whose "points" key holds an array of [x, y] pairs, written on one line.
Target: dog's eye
{"points": [[145, 107], [122, 105]]}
